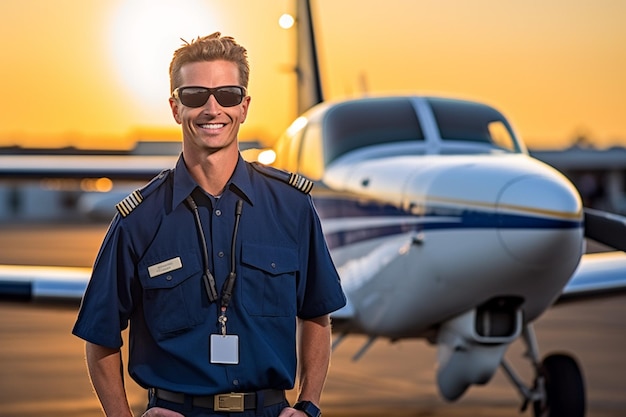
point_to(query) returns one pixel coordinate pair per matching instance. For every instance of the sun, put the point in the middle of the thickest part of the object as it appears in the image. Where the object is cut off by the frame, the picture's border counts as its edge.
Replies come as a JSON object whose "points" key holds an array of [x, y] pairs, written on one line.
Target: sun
{"points": [[143, 36]]}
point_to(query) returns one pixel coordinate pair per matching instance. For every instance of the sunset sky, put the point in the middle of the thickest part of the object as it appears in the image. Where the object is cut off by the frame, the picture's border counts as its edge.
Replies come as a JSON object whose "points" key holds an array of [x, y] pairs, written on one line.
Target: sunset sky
{"points": [[94, 74]]}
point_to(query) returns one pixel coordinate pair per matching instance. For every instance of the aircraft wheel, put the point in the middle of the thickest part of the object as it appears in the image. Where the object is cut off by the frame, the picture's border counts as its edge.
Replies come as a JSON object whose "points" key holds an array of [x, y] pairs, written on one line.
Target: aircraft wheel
{"points": [[565, 388]]}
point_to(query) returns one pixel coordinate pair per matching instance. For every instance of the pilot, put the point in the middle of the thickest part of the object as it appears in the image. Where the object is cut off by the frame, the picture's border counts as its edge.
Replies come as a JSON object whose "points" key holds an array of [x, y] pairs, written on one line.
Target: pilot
{"points": [[214, 264]]}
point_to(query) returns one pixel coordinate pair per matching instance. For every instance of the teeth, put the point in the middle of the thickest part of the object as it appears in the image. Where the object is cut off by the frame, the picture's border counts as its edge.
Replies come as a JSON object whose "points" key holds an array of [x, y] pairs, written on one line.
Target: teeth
{"points": [[212, 125]]}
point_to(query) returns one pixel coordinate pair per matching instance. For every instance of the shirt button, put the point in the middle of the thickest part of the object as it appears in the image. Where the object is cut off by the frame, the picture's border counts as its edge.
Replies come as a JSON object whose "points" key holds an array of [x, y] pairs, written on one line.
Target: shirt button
{"points": [[235, 382], [220, 254], [169, 277], [273, 265], [218, 212]]}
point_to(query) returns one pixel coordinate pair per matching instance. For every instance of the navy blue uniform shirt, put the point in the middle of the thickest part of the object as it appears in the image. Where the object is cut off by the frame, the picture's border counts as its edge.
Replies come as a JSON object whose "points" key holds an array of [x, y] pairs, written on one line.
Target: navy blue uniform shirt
{"points": [[149, 270]]}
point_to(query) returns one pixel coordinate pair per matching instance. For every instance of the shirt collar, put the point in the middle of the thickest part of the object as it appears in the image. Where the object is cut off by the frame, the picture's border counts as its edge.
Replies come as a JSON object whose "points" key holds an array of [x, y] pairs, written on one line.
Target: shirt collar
{"points": [[184, 183]]}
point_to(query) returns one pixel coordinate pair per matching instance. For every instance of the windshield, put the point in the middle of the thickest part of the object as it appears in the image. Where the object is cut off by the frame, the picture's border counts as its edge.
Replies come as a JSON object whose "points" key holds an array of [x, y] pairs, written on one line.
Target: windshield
{"points": [[363, 123], [472, 122]]}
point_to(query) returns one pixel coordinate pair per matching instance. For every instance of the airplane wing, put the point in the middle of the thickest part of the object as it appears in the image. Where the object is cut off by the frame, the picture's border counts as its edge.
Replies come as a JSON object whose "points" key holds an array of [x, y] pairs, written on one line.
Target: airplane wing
{"points": [[43, 283], [132, 167], [128, 167], [600, 273], [606, 228], [597, 274]]}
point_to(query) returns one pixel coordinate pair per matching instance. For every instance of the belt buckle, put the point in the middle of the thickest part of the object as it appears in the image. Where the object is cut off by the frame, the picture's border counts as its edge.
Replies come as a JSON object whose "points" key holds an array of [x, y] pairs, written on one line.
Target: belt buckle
{"points": [[232, 402]]}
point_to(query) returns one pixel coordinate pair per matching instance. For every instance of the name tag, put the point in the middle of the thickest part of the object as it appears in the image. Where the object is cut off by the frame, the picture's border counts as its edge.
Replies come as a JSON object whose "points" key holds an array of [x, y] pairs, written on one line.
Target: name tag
{"points": [[166, 266]]}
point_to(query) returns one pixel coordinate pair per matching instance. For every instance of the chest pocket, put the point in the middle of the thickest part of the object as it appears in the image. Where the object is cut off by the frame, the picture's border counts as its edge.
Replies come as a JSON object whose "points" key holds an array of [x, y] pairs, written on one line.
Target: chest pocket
{"points": [[269, 280], [172, 301]]}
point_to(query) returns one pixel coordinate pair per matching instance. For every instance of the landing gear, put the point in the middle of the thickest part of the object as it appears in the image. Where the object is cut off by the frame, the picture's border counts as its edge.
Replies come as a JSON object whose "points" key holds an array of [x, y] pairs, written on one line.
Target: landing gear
{"points": [[565, 389], [558, 390]]}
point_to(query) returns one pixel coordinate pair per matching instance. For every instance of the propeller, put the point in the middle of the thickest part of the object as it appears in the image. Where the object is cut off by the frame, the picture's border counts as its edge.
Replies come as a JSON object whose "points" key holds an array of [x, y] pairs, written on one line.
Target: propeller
{"points": [[606, 228]]}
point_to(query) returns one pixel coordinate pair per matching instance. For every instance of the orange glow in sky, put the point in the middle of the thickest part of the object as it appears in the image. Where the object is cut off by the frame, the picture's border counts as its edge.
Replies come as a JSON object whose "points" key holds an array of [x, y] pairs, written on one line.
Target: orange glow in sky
{"points": [[95, 73]]}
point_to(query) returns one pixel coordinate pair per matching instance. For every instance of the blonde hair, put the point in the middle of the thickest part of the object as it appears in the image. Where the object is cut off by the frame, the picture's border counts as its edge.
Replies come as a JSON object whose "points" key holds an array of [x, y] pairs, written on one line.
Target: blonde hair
{"points": [[210, 48]]}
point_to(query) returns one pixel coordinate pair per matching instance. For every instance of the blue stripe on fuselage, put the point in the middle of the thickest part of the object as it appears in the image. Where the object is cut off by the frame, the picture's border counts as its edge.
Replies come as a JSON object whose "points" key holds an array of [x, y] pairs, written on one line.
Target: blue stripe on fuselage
{"points": [[433, 218]]}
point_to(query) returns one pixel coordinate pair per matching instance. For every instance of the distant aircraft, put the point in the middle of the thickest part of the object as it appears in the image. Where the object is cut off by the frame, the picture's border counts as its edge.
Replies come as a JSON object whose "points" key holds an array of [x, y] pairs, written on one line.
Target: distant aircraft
{"points": [[442, 227]]}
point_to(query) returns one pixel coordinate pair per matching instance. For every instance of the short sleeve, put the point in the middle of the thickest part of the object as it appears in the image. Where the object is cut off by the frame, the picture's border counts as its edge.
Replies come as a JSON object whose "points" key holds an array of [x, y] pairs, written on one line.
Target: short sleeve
{"points": [[107, 303], [319, 291]]}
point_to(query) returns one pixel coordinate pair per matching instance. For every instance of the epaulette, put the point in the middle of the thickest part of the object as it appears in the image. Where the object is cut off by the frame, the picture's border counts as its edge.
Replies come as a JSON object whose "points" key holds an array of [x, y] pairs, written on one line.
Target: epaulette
{"points": [[130, 203], [297, 181]]}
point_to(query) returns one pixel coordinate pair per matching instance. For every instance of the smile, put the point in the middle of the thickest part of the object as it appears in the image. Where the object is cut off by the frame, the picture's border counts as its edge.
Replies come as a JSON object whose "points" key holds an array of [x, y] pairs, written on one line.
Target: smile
{"points": [[212, 126]]}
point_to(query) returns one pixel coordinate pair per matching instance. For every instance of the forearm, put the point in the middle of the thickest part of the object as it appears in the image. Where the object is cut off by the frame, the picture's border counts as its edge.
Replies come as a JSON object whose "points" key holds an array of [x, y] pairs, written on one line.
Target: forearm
{"points": [[314, 357], [105, 371]]}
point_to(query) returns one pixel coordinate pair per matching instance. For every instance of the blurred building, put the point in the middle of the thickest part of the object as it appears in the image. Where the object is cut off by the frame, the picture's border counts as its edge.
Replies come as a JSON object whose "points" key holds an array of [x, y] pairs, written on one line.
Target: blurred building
{"points": [[598, 174], [74, 199]]}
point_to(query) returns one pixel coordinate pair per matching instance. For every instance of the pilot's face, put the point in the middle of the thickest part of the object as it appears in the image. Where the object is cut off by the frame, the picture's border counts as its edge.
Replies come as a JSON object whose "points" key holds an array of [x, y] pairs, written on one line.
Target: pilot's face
{"points": [[210, 127]]}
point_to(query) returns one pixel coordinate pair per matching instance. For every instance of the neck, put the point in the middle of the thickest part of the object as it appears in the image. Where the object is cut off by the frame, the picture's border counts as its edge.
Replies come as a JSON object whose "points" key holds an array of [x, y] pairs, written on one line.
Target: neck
{"points": [[212, 171]]}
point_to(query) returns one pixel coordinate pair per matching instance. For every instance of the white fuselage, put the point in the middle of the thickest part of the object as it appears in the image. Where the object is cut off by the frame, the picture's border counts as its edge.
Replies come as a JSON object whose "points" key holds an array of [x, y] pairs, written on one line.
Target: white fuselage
{"points": [[422, 239]]}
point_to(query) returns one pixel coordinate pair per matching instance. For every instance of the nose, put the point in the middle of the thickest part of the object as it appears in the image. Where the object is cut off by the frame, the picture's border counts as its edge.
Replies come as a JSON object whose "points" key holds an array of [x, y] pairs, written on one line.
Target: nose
{"points": [[212, 106], [540, 219]]}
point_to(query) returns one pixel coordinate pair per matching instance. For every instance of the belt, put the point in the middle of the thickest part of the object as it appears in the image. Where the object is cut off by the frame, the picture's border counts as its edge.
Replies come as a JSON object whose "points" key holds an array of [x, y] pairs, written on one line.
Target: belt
{"points": [[231, 402]]}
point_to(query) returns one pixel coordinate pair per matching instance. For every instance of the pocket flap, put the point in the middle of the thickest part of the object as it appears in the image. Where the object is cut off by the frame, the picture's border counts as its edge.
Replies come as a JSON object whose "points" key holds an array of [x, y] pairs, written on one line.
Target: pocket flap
{"points": [[274, 260]]}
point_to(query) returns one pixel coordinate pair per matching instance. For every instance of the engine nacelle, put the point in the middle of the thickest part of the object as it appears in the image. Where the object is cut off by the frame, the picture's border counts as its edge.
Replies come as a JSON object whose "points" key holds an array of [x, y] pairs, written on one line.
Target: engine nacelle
{"points": [[471, 346]]}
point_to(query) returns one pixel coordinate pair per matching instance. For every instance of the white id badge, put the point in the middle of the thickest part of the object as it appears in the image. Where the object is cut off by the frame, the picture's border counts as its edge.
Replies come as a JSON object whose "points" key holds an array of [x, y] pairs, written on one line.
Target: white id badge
{"points": [[224, 349]]}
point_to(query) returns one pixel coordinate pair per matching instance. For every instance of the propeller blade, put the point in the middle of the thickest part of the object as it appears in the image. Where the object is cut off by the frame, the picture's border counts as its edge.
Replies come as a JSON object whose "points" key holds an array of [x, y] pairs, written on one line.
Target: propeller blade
{"points": [[606, 228]]}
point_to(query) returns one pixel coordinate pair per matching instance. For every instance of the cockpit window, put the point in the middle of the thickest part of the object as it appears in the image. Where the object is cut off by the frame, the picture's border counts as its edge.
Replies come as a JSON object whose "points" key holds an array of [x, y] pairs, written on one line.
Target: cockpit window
{"points": [[472, 122], [362, 123]]}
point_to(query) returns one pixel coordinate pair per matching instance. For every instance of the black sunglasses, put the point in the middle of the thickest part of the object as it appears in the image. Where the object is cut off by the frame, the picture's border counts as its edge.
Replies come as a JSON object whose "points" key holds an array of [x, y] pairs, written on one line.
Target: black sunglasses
{"points": [[226, 96]]}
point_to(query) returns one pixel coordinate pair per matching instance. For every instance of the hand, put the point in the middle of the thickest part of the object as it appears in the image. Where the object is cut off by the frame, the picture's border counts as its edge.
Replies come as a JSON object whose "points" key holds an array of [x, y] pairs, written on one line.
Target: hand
{"points": [[292, 412], [161, 412]]}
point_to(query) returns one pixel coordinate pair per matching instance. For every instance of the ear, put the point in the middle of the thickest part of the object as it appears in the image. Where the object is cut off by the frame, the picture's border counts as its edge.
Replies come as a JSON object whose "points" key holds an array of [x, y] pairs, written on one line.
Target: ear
{"points": [[175, 109], [244, 110]]}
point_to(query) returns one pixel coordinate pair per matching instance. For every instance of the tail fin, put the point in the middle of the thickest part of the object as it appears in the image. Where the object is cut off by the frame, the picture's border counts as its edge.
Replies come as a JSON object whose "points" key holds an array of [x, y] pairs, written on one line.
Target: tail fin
{"points": [[307, 68]]}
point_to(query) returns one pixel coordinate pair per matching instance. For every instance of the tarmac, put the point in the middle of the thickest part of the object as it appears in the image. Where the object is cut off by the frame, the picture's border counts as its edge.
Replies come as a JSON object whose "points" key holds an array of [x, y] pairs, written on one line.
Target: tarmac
{"points": [[42, 369]]}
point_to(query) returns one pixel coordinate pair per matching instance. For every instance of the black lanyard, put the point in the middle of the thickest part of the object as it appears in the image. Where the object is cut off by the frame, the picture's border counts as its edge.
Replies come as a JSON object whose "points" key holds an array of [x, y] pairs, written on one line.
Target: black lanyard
{"points": [[207, 278]]}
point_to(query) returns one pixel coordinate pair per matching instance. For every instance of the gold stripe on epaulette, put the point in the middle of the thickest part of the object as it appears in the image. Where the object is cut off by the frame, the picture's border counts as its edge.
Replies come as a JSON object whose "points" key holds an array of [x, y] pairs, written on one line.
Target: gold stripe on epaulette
{"points": [[127, 205], [301, 183]]}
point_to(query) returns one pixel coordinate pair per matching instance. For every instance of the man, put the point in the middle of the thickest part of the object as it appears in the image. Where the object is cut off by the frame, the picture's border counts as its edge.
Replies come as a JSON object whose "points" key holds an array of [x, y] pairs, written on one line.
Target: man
{"points": [[213, 263]]}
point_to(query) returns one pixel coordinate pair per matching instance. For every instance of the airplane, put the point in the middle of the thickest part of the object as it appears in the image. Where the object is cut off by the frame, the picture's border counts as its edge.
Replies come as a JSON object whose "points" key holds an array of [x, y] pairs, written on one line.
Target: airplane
{"points": [[442, 227]]}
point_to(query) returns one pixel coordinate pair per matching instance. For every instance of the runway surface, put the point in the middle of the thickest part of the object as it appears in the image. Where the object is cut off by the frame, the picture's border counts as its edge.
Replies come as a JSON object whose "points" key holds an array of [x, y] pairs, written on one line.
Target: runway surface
{"points": [[42, 369]]}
